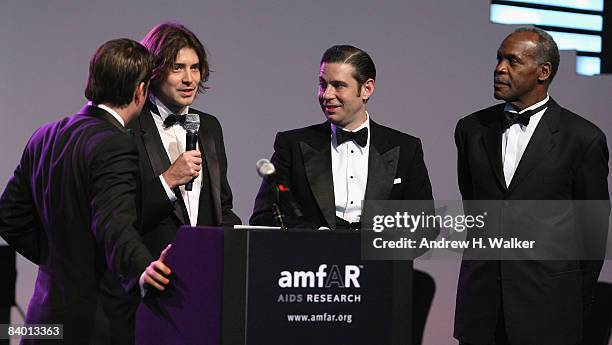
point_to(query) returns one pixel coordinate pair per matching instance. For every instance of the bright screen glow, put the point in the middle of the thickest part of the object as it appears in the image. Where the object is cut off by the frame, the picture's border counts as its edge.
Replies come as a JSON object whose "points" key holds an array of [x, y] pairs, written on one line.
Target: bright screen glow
{"points": [[581, 42], [592, 5], [588, 65], [519, 15]]}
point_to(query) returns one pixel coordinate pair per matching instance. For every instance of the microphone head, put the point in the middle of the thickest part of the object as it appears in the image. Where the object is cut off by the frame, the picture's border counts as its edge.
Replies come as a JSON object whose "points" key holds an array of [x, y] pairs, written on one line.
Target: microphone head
{"points": [[265, 168], [192, 123]]}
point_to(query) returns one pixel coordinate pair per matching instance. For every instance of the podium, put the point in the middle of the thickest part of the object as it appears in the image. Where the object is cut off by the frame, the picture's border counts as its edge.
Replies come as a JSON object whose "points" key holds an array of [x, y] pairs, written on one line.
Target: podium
{"points": [[267, 287]]}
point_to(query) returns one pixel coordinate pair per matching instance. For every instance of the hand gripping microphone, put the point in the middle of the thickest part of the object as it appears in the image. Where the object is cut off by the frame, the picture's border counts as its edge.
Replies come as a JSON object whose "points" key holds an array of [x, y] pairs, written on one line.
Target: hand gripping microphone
{"points": [[192, 125]]}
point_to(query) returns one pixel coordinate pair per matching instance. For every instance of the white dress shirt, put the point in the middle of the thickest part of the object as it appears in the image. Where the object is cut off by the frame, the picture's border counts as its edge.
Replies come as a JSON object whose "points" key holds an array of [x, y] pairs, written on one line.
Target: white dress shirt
{"points": [[350, 173], [174, 140], [110, 111], [516, 138]]}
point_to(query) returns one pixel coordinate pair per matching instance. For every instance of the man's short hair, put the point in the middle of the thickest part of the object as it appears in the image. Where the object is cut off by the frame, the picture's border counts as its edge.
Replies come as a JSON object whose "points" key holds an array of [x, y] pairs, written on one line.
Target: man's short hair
{"points": [[115, 70], [547, 50], [164, 42], [359, 59]]}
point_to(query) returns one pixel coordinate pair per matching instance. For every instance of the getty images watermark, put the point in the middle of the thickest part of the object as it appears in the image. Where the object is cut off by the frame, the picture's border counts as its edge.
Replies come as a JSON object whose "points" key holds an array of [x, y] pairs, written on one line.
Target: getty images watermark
{"points": [[486, 230]]}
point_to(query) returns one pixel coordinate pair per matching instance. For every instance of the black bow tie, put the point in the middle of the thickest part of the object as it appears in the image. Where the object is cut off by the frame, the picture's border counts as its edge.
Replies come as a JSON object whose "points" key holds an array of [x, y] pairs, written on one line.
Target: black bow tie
{"points": [[360, 137], [523, 118], [172, 119]]}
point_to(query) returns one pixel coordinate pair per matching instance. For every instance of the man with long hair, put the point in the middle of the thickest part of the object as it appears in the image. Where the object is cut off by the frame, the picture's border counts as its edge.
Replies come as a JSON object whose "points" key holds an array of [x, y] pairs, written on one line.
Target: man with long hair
{"points": [[180, 71]]}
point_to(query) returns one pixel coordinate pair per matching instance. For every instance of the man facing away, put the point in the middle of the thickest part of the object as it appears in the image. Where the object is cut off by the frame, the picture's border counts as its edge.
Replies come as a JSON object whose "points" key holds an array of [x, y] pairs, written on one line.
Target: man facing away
{"points": [[71, 206], [332, 167], [180, 70], [529, 148]]}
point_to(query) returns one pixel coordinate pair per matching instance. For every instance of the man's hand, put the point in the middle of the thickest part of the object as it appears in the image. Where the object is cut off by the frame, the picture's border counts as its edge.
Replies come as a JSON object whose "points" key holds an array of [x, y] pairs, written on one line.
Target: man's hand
{"points": [[184, 169], [155, 274]]}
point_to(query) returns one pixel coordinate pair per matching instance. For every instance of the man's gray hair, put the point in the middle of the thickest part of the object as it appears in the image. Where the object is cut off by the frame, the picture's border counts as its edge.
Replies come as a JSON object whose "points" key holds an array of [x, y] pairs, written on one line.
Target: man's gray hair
{"points": [[547, 50]]}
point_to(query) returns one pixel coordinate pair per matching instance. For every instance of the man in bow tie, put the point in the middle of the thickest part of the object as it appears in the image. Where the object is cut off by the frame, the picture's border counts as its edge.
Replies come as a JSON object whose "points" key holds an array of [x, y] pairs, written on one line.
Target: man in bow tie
{"points": [[332, 167], [530, 148], [180, 71]]}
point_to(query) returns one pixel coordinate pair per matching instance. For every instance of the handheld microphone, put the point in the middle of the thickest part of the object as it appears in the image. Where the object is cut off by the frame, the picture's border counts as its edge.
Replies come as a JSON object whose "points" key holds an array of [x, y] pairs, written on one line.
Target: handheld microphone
{"points": [[192, 125]]}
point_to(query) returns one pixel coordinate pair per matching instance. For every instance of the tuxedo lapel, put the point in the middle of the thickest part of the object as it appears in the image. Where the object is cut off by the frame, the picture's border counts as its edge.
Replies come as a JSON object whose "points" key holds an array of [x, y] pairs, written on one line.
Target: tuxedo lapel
{"points": [[207, 146], [492, 143], [157, 154], [382, 164], [153, 144], [539, 145], [316, 153]]}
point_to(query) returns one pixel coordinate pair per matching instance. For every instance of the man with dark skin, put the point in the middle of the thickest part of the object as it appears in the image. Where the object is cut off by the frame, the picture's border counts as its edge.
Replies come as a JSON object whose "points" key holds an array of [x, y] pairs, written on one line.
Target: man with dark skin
{"points": [[519, 78], [528, 148]]}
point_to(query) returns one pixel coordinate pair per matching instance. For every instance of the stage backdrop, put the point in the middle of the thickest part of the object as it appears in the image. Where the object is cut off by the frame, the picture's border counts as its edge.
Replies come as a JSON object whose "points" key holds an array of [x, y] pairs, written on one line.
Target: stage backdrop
{"points": [[435, 63]]}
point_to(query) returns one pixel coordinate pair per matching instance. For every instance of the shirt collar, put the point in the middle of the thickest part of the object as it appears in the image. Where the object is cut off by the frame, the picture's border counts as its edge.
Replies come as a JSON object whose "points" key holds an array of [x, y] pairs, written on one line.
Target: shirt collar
{"points": [[110, 111], [365, 124], [510, 109], [164, 112]]}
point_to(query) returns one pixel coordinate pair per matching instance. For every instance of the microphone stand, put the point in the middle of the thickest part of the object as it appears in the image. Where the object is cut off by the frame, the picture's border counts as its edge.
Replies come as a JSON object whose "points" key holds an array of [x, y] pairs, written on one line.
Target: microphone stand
{"points": [[279, 217]]}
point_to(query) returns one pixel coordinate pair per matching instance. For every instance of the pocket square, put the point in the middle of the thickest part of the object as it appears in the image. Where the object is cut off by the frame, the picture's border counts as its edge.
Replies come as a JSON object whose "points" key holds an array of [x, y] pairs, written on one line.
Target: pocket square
{"points": [[397, 180]]}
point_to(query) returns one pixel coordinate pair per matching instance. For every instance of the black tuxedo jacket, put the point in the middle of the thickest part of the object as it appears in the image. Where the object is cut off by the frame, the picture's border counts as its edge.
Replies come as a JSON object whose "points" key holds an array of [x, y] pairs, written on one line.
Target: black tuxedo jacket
{"points": [[542, 302], [71, 208], [302, 158], [162, 218]]}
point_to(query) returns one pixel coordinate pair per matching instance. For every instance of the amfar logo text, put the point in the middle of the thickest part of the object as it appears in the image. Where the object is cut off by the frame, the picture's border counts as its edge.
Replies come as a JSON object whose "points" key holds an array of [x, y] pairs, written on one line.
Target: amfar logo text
{"points": [[322, 278]]}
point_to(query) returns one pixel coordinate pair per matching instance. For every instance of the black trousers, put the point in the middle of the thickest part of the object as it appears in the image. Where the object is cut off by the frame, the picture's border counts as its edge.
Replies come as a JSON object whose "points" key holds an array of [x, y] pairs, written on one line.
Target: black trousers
{"points": [[5, 317], [501, 337]]}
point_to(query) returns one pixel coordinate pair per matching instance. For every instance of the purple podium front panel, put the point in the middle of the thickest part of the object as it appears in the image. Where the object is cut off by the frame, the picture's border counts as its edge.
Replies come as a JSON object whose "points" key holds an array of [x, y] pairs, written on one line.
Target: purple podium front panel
{"points": [[189, 311]]}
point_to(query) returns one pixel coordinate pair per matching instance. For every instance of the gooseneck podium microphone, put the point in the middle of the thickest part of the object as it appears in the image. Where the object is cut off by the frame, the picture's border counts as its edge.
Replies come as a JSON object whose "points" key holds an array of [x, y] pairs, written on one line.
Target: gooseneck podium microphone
{"points": [[267, 171], [282, 194], [192, 126]]}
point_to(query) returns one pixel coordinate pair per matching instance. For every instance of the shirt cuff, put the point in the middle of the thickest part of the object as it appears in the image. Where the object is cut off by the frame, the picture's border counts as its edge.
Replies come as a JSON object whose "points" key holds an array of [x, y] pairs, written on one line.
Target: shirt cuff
{"points": [[143, 289], [168, 190]]}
